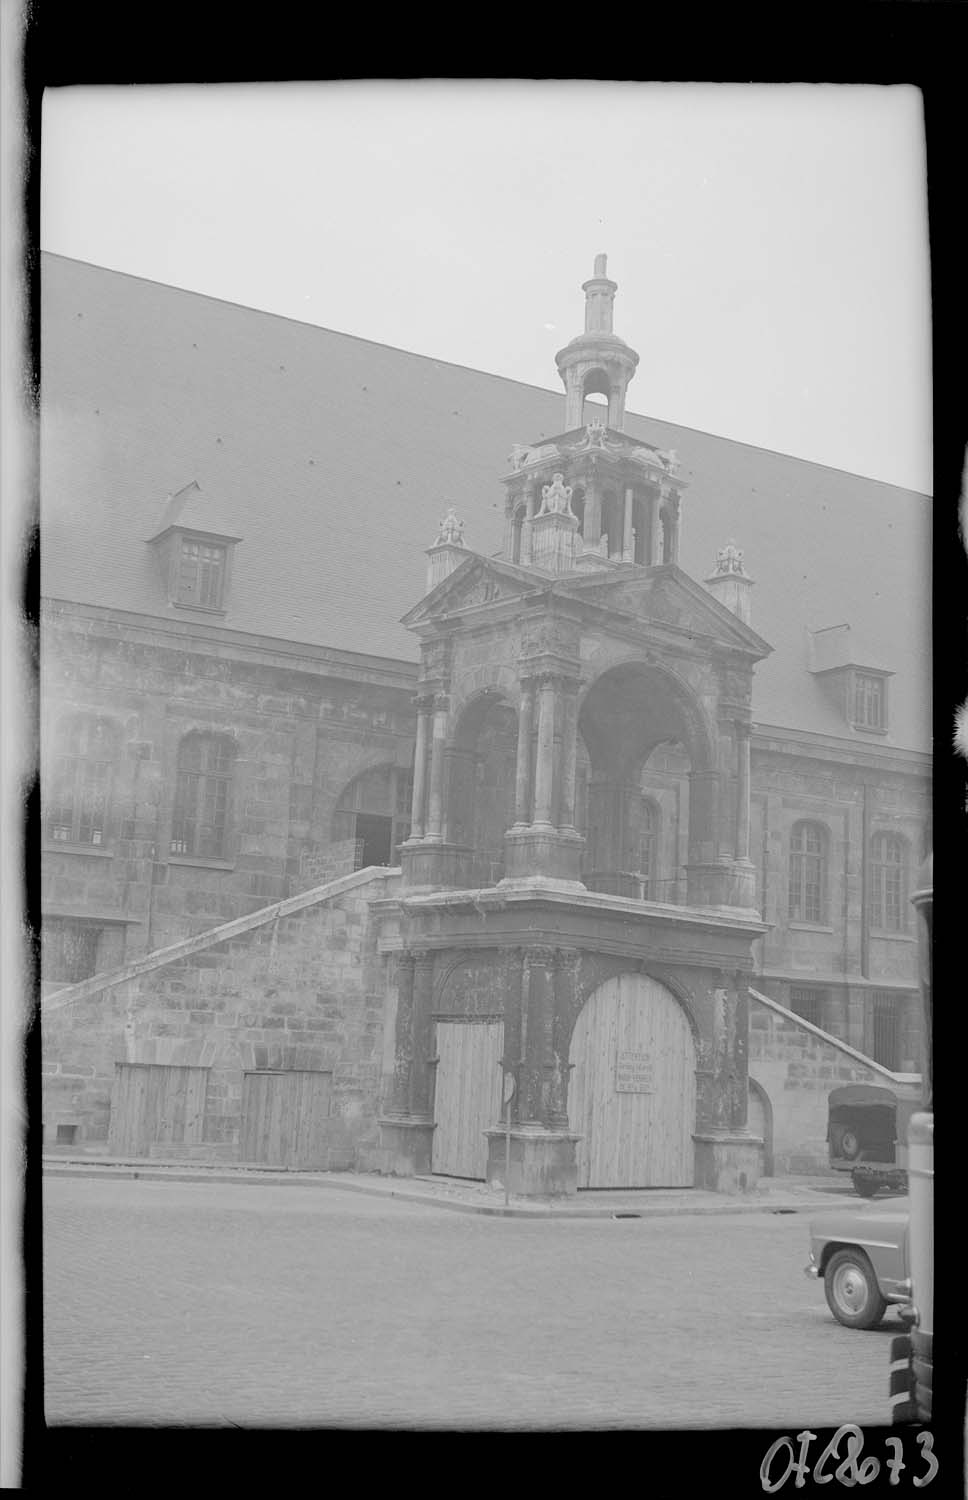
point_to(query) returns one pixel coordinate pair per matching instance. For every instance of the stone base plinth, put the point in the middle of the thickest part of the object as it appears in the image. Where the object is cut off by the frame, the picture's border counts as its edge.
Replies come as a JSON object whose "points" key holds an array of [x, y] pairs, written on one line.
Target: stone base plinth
{"points": [[435, 866], [542, 1161], [406, 1144], [728, 1161], [542, 851], [732, 884]]}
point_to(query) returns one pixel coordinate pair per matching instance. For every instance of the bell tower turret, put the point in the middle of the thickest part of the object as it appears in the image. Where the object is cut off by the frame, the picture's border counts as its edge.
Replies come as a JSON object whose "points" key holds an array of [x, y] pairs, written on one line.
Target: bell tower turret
{"points": [[597, 362]]}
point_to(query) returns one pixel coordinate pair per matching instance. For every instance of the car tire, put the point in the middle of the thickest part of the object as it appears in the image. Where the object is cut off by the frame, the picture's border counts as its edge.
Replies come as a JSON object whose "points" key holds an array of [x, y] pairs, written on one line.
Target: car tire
{"points": [[865, 1186], [849, 1145], [853, 1295]]}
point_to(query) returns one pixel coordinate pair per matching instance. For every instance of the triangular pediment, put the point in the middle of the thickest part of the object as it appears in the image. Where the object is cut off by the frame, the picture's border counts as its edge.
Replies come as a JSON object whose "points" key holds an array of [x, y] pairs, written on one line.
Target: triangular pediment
{"points": [[476, 582], [665, 596]]}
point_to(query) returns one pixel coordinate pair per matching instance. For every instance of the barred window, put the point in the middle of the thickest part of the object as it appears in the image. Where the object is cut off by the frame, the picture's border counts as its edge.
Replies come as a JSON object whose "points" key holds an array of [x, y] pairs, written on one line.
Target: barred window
{"points": [[82, 774], [888, 883], [868, 701], [808, 1004], [203, 784], [201, 574], [68, 950], [648, 851], [885, 1028], [808, 873]]}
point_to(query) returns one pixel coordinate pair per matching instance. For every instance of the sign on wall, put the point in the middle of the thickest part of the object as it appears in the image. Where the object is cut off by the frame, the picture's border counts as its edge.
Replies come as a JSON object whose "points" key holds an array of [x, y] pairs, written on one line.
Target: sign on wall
{"points": [[633, 1073]]}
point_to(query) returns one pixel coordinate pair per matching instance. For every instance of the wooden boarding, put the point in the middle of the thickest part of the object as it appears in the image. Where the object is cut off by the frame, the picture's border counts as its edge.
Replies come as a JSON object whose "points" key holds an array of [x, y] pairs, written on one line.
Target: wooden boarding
{"points": [[467, 1098], [632, 1093], [154, 1105], [284, 1118]]}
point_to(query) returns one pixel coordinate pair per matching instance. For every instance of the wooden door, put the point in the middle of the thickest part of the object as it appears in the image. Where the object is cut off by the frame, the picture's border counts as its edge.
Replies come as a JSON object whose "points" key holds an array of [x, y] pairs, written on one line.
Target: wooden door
{"points": [[467, 1096], [284, 1117], [632, 1095], [154, 1105]]}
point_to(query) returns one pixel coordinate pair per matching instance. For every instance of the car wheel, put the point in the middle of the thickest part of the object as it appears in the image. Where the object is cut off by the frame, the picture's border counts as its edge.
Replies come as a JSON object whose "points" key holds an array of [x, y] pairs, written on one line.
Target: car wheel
{"points": [[865, 1186], [853, 1295], [849, 1145]]}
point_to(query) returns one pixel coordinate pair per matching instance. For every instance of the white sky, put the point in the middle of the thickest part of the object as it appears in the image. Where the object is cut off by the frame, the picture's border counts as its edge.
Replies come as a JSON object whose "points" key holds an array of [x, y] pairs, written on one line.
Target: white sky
{"points": [[770, 242]]}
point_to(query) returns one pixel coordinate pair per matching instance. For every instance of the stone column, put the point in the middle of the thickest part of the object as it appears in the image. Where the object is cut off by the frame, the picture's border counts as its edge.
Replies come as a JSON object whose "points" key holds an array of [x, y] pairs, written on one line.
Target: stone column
{"points": [[403, 1058], [743, 731], [655, 542], [522, 776], [592, 528], [436, 809], [565, 984], [627, 553], [514, 982], [544, 771], [538, 1001], [418, 813], [569, 755], [530, 506], [421, 1078]]}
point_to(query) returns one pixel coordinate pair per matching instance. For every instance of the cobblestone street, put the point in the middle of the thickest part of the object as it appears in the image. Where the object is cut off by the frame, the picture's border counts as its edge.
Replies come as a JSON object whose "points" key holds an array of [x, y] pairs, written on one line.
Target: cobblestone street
{"points": [[252, 1304]]}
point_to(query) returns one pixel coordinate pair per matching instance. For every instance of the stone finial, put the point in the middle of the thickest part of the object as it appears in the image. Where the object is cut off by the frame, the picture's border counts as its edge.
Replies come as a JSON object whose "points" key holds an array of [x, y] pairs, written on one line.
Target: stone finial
{"points": [[595, 434], [729, 559], [601, 261], [451, 532], [556, 498]]}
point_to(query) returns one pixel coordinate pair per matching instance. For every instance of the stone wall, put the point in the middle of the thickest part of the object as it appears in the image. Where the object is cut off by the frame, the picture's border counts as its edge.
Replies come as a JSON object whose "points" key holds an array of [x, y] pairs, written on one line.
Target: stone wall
{"points": [[306, 991], [797, 1066], [302, 730]]}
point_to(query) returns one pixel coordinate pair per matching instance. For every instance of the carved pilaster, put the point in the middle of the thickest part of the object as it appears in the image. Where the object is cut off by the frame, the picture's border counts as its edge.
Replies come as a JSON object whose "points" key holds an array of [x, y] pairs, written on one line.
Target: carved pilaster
{"points": [[421, 767], [544, 771], [421, 1088], [522, 779], [565, 987], [435, 813], [403, 1041]]}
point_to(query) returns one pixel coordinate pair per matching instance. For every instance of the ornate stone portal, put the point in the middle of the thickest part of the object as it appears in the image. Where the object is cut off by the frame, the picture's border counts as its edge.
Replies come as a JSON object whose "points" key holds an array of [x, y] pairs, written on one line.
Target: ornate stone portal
{"points": [[574, 657]]}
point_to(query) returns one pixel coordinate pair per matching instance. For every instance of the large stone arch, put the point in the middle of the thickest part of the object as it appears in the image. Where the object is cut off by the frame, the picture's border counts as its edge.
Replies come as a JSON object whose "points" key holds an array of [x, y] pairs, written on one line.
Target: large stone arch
{"points": [[701, 737]]}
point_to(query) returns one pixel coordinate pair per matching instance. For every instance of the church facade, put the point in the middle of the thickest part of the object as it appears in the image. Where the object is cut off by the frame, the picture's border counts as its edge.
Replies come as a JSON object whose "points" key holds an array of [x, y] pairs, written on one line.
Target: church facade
{"points": [[524, 892]]}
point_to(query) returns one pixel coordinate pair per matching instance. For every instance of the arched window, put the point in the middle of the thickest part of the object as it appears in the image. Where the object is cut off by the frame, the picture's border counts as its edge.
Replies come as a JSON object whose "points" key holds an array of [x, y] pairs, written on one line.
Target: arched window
{"points": [[888, 882], [808, 873], [375, 811], [203, 784], [85, 758]]}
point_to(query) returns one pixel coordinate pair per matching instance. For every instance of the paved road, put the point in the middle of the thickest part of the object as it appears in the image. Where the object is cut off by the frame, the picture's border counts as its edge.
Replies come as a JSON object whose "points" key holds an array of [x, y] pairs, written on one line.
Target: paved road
{"points": [[226, 1303]]}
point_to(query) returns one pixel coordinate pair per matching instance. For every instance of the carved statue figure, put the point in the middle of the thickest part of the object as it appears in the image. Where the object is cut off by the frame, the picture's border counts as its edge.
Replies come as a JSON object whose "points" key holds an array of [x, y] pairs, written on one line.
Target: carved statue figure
{"points": [[730, 560], [595, 433], [451, 530], [519, 456], [556, 498]]}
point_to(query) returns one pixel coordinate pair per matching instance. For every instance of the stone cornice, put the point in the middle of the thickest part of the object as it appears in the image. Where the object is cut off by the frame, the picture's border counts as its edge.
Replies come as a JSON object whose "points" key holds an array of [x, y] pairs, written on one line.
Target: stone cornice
{"points": [[296, 656], [774, 738]]}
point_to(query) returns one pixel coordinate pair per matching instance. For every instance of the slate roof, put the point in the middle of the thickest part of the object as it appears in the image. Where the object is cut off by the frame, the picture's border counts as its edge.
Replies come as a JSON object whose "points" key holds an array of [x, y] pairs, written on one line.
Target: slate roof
{"points": [[333, 459]]}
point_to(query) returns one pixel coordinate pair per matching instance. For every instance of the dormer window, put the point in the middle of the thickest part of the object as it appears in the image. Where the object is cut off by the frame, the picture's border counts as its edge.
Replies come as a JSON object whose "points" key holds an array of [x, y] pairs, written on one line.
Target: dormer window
{"points": [[201, 574], [194, 551], [844, 665], [868, 701]]}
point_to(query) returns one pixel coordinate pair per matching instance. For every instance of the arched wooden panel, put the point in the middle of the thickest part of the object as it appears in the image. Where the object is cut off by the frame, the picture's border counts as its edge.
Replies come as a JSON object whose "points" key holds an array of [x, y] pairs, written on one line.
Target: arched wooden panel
{"points": [[632, 1096]]}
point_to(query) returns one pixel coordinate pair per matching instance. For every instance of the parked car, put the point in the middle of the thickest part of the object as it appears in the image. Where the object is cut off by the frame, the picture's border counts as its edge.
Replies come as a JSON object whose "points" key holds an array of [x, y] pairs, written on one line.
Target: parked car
{"points": [[867, 1135], [861, 1255]]}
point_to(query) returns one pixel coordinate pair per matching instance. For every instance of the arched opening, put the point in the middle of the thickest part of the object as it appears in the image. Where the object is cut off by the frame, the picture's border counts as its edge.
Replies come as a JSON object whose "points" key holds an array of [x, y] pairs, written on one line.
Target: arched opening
{"points": [[632, 1087], [596, 393], [480, 789], [641, 736], [578, 505], [759, 1120], [374, 810], [612, 522]]}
